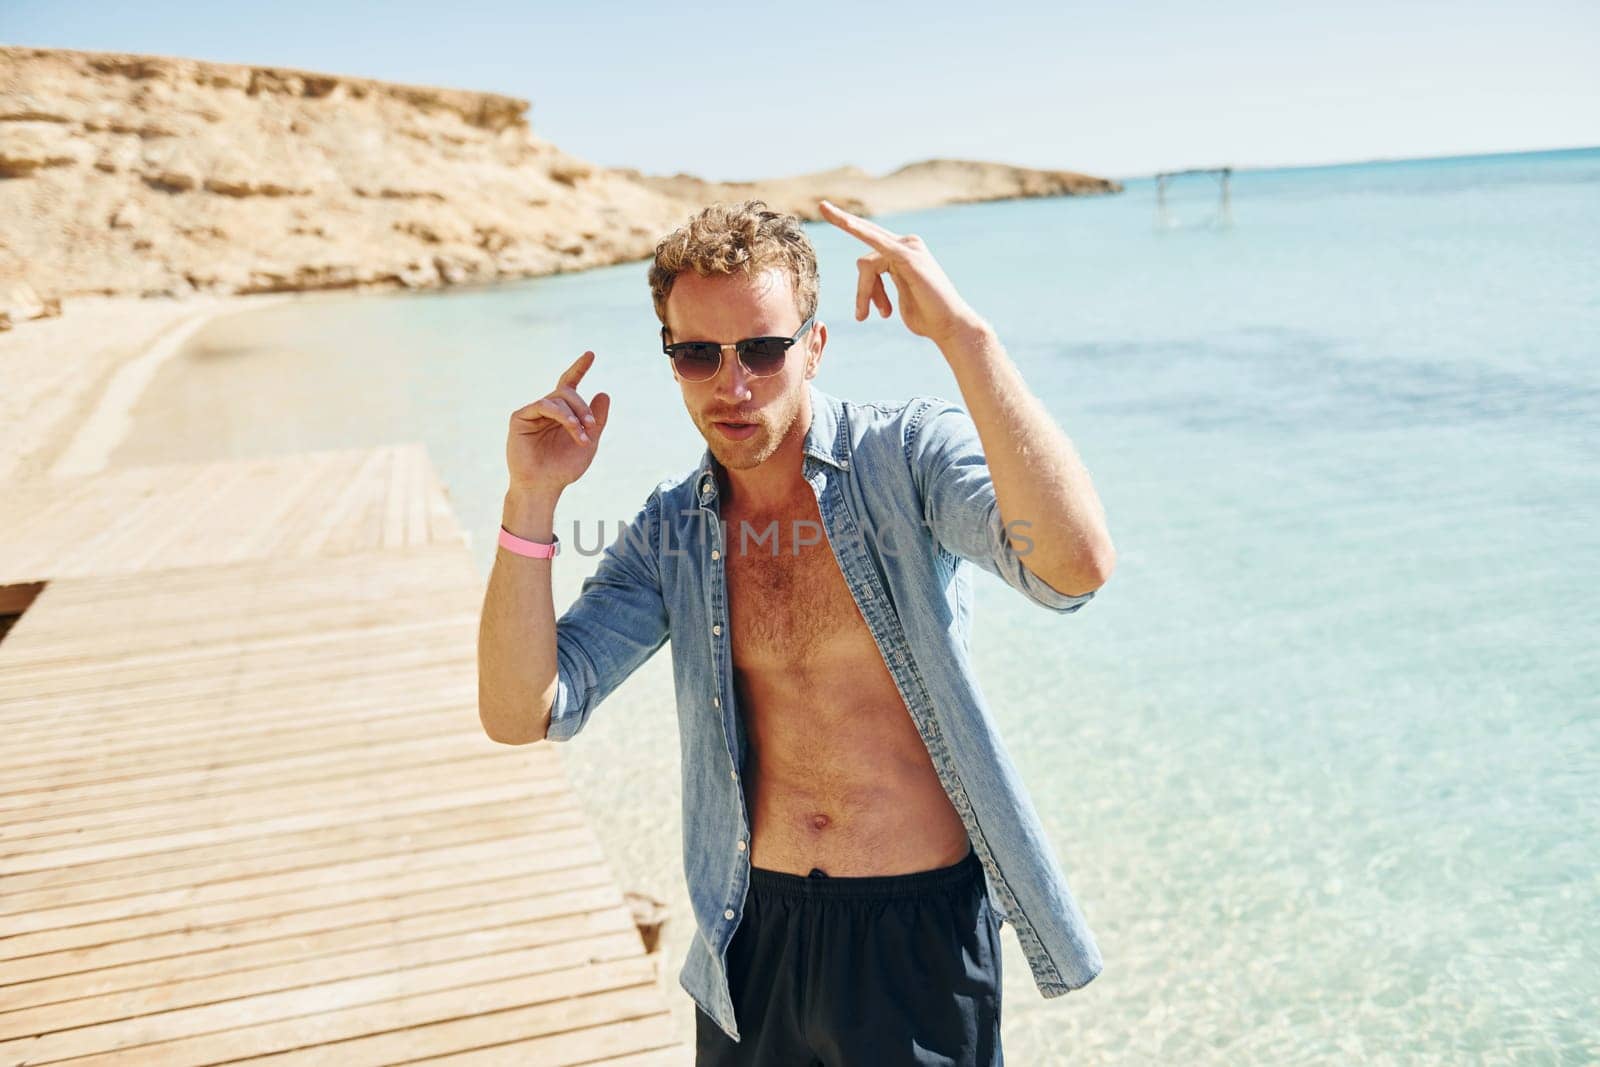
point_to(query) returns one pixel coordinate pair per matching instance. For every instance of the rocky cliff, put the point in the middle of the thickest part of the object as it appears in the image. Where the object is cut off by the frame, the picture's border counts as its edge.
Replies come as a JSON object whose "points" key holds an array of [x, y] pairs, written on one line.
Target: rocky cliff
{"points": [[132, 174]]}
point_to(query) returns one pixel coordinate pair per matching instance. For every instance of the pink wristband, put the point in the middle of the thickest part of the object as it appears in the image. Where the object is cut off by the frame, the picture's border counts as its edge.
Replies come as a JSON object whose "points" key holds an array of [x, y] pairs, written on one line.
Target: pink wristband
{"points": [[523, 547]]}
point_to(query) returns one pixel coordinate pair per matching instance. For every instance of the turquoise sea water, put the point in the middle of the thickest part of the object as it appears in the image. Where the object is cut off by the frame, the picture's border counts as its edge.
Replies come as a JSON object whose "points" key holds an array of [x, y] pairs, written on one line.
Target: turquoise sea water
{"points": [[1322, 759]]}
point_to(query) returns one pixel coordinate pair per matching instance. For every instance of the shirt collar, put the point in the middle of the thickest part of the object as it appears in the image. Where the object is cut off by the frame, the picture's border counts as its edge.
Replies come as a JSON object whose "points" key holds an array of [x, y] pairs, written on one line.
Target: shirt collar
{"points": [[823, 441]]}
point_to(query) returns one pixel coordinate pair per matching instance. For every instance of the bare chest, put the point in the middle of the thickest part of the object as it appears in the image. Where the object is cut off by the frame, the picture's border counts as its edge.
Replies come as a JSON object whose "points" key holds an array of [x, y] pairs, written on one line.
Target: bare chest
{"points": [[788, 600]]}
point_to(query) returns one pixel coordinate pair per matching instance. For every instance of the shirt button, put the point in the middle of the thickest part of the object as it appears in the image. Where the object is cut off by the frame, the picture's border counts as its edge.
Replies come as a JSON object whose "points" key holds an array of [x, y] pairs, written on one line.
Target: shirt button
{"points": [[734, 775], [717, 629], [741, 846], [728, 914], [715, 554], [716, 702]]}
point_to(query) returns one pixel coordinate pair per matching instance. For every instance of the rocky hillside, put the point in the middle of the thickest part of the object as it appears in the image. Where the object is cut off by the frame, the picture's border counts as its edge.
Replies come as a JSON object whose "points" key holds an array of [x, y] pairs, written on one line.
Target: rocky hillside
{"points": [[132, 174], [911, 188]]}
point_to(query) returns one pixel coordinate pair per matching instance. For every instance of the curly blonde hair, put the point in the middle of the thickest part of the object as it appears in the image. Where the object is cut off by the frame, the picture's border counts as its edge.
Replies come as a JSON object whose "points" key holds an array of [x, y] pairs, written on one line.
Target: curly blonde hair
{"points": [[746, 237]]}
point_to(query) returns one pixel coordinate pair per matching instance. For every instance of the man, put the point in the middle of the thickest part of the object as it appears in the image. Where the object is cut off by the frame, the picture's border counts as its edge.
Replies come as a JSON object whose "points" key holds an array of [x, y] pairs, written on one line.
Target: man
{"points": [[854, 832]]}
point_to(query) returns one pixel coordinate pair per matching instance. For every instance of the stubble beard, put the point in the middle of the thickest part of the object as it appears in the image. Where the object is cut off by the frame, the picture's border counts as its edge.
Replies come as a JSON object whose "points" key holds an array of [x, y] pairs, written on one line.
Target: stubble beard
{"points": [[753, 450]]}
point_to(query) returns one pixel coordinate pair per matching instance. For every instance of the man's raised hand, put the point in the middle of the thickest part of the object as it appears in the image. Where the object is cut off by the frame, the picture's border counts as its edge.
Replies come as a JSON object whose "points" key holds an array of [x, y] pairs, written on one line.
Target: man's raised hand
{"points": [[553, 440], [929, 303]]}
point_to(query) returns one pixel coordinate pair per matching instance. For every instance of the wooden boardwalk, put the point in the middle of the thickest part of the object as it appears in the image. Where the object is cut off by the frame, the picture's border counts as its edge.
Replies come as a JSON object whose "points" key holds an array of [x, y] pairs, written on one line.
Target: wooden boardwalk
{"points": [[247, 812]]}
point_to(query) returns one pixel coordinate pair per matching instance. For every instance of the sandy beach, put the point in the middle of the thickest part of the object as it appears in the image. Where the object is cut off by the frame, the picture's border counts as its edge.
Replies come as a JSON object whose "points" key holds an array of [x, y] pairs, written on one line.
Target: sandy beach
{"points": [[72, 381]]}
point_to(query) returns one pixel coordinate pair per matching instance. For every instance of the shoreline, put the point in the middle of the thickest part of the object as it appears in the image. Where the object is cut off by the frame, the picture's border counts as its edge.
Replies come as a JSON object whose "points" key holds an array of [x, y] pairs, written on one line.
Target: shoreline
{"points": [[75, 379]]}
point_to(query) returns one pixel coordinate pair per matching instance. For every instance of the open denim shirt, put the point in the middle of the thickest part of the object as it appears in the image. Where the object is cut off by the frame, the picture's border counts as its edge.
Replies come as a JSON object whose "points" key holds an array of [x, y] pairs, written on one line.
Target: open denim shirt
{"points": [[907, 505]]}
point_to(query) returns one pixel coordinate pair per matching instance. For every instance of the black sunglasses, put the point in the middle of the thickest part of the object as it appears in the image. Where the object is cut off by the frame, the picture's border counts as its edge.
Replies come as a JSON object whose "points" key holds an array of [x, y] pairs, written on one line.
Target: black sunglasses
{"points": [[699, 361]]}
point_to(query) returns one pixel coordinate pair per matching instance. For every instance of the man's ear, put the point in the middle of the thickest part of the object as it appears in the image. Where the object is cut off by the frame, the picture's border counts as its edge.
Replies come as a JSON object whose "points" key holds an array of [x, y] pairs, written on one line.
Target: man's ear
{"points": [[821, 330]]}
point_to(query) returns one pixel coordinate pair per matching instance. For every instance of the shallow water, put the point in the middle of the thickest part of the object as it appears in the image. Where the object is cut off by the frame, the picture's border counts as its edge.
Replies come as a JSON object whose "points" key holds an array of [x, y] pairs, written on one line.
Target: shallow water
{"points": [[1320, 759]]}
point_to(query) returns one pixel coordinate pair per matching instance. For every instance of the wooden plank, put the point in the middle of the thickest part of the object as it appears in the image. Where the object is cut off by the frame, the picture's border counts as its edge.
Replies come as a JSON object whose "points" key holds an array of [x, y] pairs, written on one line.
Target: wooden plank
{"points": [[95, 901], [169, 516], [677, 1055], [95, 998], [462, 821], [394, 751], [579, 1044], [482, 858], [324, 1011], [246, 806], [307, 935], [573, 865], [364, 792], [263, 819]]}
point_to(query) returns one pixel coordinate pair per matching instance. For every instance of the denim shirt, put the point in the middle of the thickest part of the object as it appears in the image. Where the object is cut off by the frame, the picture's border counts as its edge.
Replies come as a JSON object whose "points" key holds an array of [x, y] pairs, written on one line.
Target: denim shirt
{"points": [[907, 506]]}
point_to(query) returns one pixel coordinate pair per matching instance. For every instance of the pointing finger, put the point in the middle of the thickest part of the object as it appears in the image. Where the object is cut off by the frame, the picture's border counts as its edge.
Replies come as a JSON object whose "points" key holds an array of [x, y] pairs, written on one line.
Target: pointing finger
{"points": [[575, 372], [870, 232]]}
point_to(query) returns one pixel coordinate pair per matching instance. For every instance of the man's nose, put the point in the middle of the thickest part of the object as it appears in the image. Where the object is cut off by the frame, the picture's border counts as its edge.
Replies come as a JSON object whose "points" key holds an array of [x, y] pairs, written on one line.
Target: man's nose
{"points": [[732, 379]]}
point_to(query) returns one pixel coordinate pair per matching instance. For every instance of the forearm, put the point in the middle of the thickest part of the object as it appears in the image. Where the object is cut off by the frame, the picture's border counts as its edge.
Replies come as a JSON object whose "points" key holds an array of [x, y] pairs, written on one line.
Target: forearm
{"points": [[1039, 481], [517, 665]]}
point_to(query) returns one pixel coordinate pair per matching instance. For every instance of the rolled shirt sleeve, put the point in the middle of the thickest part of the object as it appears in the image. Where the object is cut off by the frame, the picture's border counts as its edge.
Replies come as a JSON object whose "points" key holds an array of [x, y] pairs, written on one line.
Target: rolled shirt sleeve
{"points": [[959, 504], [617, 622]]}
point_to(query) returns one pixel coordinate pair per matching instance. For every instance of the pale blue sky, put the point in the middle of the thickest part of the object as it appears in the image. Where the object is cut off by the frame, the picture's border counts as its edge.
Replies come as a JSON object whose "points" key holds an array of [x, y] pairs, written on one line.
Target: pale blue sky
{"points": [[732, 91]]}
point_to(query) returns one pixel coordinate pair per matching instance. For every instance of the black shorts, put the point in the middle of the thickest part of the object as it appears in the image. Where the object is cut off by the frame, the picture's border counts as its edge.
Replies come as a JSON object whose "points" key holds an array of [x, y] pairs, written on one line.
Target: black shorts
{"points": [[879, 971]]}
